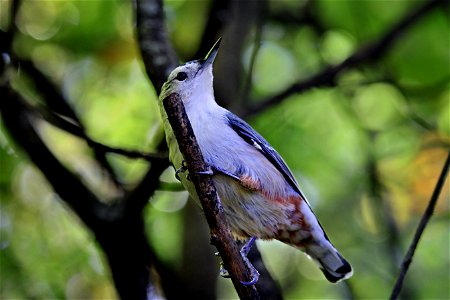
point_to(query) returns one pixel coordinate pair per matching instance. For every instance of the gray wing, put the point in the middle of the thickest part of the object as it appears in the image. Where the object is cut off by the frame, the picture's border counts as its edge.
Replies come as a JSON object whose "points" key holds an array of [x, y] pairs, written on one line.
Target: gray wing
{"points": [[248, 134]]}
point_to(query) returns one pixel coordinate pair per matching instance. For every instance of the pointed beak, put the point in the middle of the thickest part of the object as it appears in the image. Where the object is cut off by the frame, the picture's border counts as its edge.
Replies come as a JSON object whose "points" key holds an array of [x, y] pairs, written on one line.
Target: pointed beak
{"points": [[209, 58]]}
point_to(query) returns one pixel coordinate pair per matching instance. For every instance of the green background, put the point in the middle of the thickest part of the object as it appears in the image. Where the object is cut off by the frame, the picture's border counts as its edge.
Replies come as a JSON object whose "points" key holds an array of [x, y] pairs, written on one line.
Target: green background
{"points": [[389, 119]]}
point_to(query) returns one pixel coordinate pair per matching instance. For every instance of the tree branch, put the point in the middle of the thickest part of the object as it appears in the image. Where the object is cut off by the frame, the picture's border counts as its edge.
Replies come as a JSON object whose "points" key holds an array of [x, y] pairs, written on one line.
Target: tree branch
{"points": [[218, 14], [122, 239], [260, 18], [74, 129], [16, 118], [157, 53], [371, 51], [56, 103], [139, 197], [267, 287], [155, 34], [159, 60], [377, 190], [220, 233], [50, 93], [420, 229]]}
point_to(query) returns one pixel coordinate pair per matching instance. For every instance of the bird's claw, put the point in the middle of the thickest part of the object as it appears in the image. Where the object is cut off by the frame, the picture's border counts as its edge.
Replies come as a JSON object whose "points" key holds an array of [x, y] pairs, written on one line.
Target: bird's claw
{"points": [[182, 169], [244, 252], [210, 171], [255, 277]]}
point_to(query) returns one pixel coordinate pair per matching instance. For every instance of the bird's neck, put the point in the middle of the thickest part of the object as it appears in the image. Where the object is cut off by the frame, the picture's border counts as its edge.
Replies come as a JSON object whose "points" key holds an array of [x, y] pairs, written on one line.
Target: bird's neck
{"points": [[201, 101]]}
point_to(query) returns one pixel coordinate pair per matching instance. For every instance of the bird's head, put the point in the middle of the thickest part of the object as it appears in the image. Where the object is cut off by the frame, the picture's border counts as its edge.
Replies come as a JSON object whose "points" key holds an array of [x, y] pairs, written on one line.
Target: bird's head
{"points": [[192, 78]]}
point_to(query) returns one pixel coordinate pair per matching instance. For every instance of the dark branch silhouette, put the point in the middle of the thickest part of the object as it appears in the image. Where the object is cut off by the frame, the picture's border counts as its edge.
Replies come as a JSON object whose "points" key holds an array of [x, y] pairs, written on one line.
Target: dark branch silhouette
{"points": [[267, 287], [149, 18], [420, 229], [119, 228], [256, 46], [228, 69], [156, 51], [120, 235], [388, 224], [370, 52], [16, 118], [56, 103], [74, 129], [221, 235], [218, 15]]}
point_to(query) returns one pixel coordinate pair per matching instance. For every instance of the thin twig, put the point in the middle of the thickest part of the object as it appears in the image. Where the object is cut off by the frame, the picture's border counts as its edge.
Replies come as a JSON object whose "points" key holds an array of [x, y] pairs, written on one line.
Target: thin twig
{"points": [[420, 229], [74, 129], [373, 51], [150, 157], [391, 245], [51, 94], [58, 105], [16, 118], [301, 15], [139, 197], [256, 46], [221, 235], [219, 14]]}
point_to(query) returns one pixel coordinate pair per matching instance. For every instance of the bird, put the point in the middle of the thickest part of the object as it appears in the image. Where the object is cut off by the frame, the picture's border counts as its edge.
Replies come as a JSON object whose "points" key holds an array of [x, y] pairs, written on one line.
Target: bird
{"points": [[260, 196]]}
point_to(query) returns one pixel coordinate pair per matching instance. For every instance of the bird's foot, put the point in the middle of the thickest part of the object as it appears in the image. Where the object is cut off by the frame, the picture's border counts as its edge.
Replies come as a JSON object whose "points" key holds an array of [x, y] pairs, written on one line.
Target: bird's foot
{"points": [[182, 169], [244, 252]]}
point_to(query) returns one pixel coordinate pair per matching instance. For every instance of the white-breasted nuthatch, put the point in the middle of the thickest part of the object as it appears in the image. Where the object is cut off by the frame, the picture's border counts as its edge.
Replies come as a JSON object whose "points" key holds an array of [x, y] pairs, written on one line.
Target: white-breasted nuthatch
{"points": [[259, 194]]}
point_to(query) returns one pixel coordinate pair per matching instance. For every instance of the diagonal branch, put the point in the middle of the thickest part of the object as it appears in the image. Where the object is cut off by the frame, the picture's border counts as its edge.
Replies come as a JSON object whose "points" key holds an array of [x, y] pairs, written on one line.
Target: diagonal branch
{"points": [[74, 129], [219, 14], [122, 239], [152, 39], [267, 287], [256, 46], [156, 51], [50, 93], [369, 52], [16, 118], [159, 60], [420, 229], [221, 235], [138, 198], [58, 104]]}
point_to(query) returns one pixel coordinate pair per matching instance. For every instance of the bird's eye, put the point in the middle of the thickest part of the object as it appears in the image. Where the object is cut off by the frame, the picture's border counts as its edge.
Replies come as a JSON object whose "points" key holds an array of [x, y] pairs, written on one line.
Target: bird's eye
{"points": [[181, 76]]}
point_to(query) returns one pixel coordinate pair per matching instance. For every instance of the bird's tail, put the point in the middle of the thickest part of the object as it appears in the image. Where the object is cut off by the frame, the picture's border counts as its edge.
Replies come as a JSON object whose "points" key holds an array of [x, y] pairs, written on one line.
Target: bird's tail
{"points": [[312, 239], [331, 263], [306, 234]]}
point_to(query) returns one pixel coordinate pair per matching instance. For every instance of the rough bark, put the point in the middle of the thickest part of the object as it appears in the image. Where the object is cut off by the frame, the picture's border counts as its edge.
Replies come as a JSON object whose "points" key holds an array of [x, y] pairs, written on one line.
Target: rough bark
{"points": [[221, 235]]}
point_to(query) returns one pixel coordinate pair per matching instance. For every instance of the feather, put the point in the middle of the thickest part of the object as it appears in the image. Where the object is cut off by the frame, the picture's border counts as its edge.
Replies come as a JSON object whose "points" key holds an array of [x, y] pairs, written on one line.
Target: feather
{"points": [[248, 134]]}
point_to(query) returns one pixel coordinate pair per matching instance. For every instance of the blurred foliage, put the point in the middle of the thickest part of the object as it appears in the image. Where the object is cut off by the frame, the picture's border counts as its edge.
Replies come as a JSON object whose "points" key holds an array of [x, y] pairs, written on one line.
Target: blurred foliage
{"points": [[393, 114]]}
